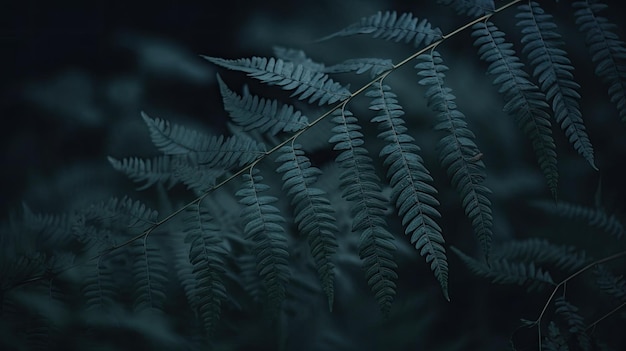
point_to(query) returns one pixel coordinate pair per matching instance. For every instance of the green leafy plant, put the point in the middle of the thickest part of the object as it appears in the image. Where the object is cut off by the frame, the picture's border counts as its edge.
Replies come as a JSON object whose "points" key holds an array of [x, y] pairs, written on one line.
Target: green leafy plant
{"points": [[273, 224]]}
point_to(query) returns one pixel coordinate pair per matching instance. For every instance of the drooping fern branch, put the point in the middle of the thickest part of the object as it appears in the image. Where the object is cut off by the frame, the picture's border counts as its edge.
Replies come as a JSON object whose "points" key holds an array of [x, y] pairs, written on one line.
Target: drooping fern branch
{"points": [[608, 52], [361, 186], [314, 214], [524, 101], [458, 152], [207, 291], [553, 69], [263, 226], [410, 182]]}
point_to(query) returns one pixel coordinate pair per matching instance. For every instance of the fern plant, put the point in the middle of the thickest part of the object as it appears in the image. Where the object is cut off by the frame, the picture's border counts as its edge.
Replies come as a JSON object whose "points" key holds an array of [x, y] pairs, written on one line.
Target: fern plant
{"points": [[261, 238]]}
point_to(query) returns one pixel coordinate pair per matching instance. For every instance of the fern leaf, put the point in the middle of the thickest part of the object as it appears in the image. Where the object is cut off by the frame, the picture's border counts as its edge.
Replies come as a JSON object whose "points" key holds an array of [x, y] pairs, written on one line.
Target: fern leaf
{"points": [[540, 251], [410, 182], [457, 150], [252, 112], [608, 52], [150, 171], [150, 276], [361, 186], [209, 151], [263, 227], [472, 8], [99, 288], [524, 100], [307, 83], [553, 69], [575, 321], [593, 216], [376, 66], [313, 213], [389, 26], [503, 271], [554, 341], [610, 284], [206, 256]]}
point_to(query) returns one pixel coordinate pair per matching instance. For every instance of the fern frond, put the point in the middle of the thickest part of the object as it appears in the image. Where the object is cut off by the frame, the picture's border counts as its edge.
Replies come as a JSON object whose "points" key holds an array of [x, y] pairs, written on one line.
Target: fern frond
{"points": [[541, 251], [472, 8], [388, 26], [263, 227], [49, 233], [376, 66], [298, 57], [524, 100], [206, 255], [608, 52], [576, 322], [503, 271], [410, 182], [553, 69], [99, 288], [593, 216], [307, 83], [150, 171], [554, 341], [150, 276], [361, 187], [313, 213], [610, 284], [209, 151], [170, 169], [255, 113], [457, 150], [125, 214]]}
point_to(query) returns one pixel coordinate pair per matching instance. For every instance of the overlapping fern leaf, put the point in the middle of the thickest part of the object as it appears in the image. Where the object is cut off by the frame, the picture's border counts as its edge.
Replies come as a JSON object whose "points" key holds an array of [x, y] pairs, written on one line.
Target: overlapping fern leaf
{"points": [[458, 152], [255, 113], [263, 226], [376, 66], [190, 157], [389, 26], [608, 52], [593, 216], [361, 187], [305, 82], [472, 8], [543, 252], [575, 322], [206, 254], [313, 212], [524, 100], [610, 284], [209, 151], [411, 190], [553, 69], [507, 272]]}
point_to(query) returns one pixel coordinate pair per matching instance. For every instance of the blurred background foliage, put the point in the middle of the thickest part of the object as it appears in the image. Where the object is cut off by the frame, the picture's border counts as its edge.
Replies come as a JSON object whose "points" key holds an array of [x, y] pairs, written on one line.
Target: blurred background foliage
{"points": [[76, 76]]}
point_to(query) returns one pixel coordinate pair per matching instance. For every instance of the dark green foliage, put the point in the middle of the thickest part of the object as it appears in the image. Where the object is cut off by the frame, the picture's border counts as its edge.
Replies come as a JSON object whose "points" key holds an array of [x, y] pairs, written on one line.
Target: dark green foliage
{"points": [[295, 193]]}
